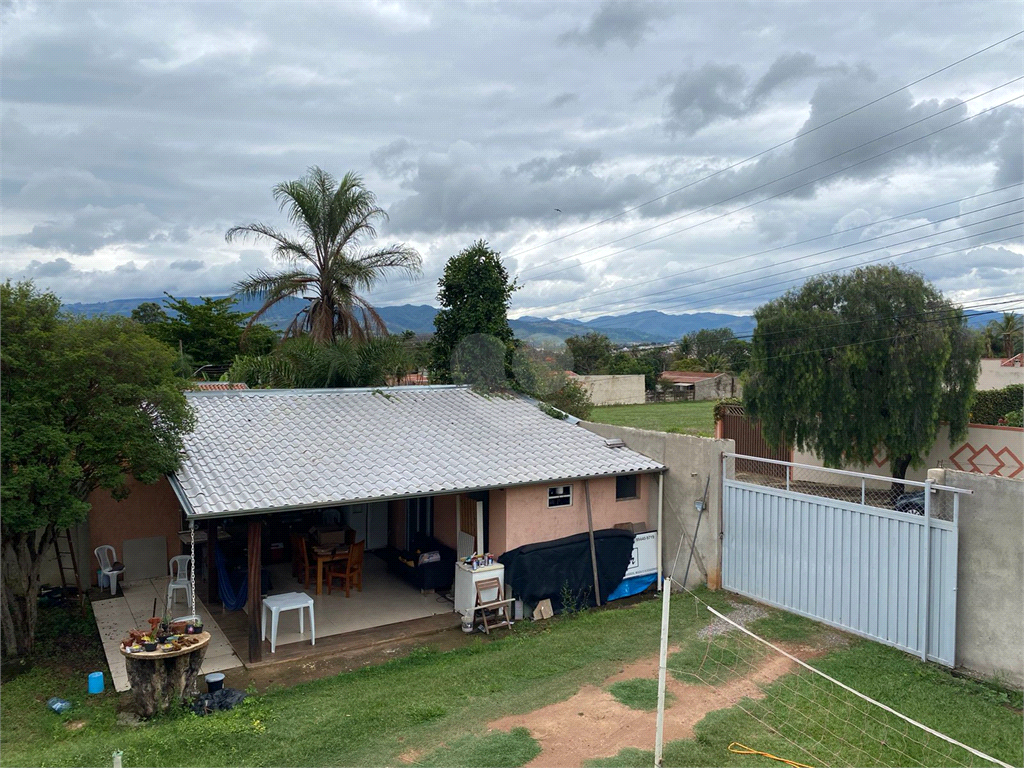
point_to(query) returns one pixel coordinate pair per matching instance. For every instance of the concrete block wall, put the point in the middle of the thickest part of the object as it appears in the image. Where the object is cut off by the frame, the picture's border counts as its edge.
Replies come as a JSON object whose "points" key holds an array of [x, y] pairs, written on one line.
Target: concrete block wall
{"points": [[691, 462], [990, 575], [614, 390]]}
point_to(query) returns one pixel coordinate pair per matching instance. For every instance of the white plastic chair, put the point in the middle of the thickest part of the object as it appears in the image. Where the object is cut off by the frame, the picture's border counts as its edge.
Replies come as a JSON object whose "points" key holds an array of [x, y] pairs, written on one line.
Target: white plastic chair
{"points": [[179, 569], [109, 566]]}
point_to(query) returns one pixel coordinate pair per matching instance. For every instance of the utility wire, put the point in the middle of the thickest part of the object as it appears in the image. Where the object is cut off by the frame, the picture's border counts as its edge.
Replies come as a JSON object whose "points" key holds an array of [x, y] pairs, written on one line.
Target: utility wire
{"points": [[892, 257], [787, 191], [662, 278], [770, 149]]}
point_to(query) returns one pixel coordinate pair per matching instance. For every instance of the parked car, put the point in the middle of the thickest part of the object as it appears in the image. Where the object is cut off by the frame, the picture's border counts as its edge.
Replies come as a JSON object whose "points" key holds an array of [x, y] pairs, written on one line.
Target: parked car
{"points": [[912, 503]]}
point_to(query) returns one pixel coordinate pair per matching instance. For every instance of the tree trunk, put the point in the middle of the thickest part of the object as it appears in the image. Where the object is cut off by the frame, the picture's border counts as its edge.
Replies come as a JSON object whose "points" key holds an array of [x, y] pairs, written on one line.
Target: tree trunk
{"points": [[899, 465], [19, 588], [160, 684]]}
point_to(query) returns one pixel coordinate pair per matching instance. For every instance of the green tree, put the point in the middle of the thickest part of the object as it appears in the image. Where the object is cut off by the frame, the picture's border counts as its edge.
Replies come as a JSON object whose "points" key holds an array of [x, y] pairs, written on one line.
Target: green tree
{"points": [[327, 262], [862, 362], [572, 398], [1004, 336], [86, 404], [149, 313], [624, 364], [590, 352], [719, 344], [475, 295], [300, 363]]}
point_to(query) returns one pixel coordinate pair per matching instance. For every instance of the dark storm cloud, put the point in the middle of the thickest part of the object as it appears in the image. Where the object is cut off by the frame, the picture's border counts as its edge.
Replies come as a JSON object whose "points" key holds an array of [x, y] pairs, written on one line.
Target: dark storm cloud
{"points": [[134, 136], [618, 20]]}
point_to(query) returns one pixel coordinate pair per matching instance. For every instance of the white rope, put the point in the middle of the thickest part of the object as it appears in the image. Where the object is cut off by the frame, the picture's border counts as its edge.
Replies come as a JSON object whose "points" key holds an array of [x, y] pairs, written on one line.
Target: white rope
{"points": [[890, 710]]}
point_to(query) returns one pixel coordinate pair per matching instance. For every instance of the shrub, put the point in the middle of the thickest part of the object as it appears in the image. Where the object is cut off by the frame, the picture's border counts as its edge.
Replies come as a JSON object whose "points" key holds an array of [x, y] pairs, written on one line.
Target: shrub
{"points": [[1015, 418], [993, 404]]}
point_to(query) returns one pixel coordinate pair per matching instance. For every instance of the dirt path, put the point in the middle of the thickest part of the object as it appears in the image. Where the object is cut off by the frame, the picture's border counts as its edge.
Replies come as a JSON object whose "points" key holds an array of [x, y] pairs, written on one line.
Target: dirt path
{"points": [[594, 724]]}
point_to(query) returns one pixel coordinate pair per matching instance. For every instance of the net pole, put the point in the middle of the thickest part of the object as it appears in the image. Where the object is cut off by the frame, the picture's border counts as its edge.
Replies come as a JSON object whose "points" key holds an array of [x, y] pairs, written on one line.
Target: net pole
{"points": [[659, 734]]}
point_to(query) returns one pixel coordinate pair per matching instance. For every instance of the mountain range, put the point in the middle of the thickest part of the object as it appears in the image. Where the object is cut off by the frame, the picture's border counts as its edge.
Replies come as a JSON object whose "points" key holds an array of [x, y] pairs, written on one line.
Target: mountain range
{"points": [[649, 327]]}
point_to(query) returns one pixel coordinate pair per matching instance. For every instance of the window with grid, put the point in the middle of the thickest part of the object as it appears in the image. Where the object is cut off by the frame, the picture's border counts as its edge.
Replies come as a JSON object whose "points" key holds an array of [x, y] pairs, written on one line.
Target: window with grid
{"points": [[560, 496]]}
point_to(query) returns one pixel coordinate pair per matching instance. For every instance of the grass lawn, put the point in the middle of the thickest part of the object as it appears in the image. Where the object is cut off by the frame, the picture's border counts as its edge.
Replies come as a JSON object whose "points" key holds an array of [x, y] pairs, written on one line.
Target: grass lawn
{"points": [[432, 708], [689, 418]]}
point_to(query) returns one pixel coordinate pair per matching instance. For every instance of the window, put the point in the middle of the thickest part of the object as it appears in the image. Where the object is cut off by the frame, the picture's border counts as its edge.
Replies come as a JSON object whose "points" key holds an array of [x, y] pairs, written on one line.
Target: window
{"points": [[560, 496], [626, 487]]}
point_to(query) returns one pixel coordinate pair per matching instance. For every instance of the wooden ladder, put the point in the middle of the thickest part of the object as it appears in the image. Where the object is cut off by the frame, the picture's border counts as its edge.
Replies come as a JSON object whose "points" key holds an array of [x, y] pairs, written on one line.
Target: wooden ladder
{"points": [[64, 535]]}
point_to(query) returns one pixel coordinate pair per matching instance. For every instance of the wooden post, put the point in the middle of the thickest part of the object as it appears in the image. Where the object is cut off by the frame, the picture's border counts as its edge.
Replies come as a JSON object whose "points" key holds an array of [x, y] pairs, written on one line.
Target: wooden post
{"points": [[212, 588], [593, 548], [255, 592]]}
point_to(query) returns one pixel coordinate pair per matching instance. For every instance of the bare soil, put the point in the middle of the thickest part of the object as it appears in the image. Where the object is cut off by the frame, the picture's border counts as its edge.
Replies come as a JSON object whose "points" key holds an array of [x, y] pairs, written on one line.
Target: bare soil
{"points": [[594, 724]]}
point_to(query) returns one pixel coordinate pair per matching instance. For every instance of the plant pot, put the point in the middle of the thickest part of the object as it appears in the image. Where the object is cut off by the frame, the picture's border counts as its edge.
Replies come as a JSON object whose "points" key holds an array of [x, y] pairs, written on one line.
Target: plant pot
{"points": [[149, 646]]}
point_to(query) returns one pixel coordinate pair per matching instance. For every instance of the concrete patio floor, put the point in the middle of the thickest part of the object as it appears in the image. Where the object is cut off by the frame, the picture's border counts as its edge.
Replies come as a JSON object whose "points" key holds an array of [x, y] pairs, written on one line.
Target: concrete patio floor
{"points": [[132, 608], [385, 600]]}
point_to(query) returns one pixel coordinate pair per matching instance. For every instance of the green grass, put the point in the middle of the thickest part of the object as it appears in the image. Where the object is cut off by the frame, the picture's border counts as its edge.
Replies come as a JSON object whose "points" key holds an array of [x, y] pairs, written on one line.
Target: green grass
{"points": [[688, 418], [434, 704], [638, 693], [842, 730], [498, 749]]}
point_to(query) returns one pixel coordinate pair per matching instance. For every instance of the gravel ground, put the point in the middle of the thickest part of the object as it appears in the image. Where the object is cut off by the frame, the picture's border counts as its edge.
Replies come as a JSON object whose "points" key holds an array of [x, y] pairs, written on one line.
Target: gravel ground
{"points": [[742, 615]]}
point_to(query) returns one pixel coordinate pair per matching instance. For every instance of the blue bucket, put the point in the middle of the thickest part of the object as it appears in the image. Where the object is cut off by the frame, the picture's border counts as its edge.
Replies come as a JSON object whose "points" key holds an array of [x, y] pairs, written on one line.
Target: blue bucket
{"points": [[95, 682]]}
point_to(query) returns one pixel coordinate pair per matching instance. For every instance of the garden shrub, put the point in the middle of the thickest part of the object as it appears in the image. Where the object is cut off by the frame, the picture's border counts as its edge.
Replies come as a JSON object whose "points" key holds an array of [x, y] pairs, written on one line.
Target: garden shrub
{"points": [[993, 404]]}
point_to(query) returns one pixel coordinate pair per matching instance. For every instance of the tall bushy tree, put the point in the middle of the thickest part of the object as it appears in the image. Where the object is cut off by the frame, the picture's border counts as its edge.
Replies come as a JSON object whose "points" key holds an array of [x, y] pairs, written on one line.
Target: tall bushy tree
{"points": [[475, 295], [590, 352], [865, 362], [328, 261], [86, 404]]}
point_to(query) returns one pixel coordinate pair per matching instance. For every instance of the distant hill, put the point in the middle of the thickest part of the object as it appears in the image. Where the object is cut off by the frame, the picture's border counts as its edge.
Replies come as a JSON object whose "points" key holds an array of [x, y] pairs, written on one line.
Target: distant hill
{"points": [[634, 327]]}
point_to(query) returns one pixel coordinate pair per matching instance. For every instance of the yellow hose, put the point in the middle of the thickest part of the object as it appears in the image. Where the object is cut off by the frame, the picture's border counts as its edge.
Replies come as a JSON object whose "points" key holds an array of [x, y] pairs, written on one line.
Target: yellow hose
{"points": [[743, 749]]}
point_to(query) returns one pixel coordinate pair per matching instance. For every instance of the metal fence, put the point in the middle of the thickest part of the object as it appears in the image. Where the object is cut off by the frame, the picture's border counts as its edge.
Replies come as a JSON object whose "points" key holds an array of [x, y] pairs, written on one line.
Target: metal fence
{"points": [[874, 557]]}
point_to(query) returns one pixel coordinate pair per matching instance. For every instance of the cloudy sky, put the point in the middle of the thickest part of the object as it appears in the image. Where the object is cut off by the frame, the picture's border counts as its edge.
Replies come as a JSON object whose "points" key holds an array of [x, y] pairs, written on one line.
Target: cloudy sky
{"points": [[602, 148]]}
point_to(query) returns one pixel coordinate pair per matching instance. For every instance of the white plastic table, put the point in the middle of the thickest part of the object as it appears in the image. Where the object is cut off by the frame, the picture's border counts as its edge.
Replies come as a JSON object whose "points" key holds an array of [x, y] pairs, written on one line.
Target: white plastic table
{"points": [[287, 602]]}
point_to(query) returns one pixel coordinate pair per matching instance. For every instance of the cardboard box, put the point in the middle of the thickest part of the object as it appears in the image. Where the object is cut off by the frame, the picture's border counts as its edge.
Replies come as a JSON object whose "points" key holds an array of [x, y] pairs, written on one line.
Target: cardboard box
{"points": [[543, 610]]}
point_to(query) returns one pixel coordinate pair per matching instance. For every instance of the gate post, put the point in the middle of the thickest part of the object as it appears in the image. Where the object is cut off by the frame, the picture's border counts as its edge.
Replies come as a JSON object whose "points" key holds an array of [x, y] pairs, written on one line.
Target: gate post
{"points": [[925, 609]]}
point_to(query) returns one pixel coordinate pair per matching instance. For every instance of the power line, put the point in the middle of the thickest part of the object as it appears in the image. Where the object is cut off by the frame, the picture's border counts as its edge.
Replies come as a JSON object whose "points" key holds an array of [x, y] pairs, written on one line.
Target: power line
{"points": [[870, 261], [791, 189], [808, 240], [770, 149]]}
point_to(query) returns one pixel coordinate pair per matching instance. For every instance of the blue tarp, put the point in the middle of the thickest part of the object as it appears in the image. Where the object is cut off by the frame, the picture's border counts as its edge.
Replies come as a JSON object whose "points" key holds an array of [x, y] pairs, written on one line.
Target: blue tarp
{"points": [[633, 586], [232, 598]]}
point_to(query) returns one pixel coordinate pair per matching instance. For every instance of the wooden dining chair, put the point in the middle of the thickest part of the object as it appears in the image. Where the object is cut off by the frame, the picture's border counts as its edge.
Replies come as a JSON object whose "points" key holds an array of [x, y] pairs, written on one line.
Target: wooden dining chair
{"points": [[490, 607], [303, 565], [349, 571]]}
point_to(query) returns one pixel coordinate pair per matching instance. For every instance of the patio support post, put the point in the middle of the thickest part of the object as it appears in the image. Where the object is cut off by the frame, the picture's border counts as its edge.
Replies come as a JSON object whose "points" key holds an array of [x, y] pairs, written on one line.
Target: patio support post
{"points": [[255, 598], [212, 593]]}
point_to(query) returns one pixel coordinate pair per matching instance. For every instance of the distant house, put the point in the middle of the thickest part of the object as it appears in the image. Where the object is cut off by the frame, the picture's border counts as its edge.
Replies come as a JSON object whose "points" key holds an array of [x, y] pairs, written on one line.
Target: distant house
{"points": [[698, 385], [217, 386]]}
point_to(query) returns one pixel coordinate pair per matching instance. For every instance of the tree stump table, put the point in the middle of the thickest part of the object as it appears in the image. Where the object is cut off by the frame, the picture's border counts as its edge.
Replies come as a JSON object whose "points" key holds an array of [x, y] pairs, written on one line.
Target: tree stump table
{"points": [[162, 679]]}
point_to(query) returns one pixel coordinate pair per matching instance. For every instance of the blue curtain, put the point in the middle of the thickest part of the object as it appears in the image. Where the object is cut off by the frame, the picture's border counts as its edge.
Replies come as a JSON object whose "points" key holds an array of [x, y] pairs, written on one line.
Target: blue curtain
{"points": [[232, 598]]}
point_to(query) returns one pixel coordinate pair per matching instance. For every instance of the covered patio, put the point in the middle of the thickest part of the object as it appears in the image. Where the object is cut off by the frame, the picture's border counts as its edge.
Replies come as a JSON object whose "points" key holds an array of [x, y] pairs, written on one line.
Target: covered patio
{"points": [[419, 476]]}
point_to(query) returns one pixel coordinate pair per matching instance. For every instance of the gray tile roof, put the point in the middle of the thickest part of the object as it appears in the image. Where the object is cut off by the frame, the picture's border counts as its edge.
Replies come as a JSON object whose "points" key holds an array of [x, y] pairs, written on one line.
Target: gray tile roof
{"points": [[278, 449]]}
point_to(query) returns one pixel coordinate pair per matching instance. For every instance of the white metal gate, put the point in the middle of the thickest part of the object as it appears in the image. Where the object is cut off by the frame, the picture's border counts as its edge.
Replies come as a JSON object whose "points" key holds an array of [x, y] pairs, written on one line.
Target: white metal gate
{"points": [[842, 548]]}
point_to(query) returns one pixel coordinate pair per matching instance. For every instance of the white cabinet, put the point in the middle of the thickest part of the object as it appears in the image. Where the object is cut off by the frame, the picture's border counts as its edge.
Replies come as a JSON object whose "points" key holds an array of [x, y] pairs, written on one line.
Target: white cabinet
{"points": [[465, 584]]}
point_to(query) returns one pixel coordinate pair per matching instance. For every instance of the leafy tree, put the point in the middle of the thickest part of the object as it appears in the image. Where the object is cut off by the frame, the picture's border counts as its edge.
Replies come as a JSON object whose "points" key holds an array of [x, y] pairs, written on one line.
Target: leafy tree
{"points": [[862, 362], [718, 344], [300, 363], [571, 397], [149, 313], [207, 333], [475, 294], [327, 262], [86, 403], [624, 364], [590, 352], [686, 364]]}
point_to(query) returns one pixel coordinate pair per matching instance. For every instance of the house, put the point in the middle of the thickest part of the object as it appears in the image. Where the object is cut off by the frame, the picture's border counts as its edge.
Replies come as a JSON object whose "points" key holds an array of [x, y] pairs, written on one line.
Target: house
{"points": [[472, 472], [699, 385]]}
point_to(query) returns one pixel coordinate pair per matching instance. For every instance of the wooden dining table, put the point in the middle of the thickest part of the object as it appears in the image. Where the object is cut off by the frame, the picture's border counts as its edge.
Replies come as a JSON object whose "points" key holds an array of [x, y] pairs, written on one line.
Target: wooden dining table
{"points": [[327, 554]]}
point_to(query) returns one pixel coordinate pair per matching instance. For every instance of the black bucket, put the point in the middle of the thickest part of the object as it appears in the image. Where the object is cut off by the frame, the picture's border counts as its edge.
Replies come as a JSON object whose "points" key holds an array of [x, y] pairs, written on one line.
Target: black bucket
{"points": [[214, 681]]}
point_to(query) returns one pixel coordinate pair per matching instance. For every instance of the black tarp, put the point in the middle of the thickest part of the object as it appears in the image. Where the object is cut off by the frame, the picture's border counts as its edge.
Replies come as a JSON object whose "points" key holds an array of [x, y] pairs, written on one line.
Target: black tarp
{"points": [[546, 569]]}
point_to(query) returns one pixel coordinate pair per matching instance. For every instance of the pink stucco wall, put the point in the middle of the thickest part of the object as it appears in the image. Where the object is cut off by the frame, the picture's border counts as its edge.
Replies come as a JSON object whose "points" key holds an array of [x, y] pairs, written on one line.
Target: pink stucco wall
{"points": [[522, 516]]}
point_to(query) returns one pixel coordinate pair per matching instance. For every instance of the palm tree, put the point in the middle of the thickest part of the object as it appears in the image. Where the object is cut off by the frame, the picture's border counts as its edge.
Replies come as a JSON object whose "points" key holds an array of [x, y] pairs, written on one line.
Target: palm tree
{"points": [[327, 261], [1009, 328]]}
